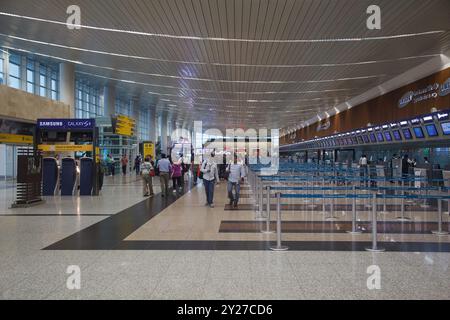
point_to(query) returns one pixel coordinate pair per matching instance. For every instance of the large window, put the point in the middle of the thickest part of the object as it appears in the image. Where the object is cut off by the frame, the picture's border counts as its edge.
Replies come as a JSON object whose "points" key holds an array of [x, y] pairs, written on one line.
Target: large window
{"points": [[42, 80], [54, 85], [2, 74], [22, 73], [14, 71], [88, 100], [123, 107], [30, 76], [144, 124]]}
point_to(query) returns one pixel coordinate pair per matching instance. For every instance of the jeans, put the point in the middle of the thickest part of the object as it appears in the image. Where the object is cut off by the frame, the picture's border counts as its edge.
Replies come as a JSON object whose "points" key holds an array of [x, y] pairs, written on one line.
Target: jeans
{"points": [[209, 189], [237, 187]]}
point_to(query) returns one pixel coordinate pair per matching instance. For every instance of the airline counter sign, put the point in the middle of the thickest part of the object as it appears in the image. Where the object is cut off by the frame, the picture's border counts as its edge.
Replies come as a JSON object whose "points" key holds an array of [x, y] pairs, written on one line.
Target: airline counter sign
{"points": [[432, 91]]}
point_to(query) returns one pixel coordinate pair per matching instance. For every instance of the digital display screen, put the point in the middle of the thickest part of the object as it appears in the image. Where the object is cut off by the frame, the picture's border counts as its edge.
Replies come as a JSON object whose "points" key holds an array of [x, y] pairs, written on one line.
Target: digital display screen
{"points": [[418, 132], [431, 130], [397, 135], [372, 137], [380, 137], [445, 127], [388, 136], [366, 139], [407, 134]]}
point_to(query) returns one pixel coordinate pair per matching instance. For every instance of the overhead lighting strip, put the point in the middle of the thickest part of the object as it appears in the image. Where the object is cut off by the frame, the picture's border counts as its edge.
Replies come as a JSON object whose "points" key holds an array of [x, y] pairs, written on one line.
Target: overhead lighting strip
{"points": [[198, 38], [217, 63]]}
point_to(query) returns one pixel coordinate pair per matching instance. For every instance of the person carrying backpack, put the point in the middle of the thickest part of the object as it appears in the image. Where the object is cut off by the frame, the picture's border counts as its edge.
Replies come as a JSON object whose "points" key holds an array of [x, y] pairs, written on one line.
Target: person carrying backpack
{"points": [[147, 172]]}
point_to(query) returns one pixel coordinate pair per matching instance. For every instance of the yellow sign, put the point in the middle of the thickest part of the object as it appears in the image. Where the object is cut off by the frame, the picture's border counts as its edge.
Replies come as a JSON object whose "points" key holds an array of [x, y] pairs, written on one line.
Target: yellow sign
{"points": [[149, 149], [125, 125], [65, 147], [124, 132], [125, 119], [97, 154], [15, 138]]}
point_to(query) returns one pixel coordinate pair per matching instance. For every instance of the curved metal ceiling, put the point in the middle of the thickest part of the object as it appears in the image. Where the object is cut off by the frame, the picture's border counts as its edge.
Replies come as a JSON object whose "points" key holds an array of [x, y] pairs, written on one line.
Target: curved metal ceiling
{"points": [[234, 63]]}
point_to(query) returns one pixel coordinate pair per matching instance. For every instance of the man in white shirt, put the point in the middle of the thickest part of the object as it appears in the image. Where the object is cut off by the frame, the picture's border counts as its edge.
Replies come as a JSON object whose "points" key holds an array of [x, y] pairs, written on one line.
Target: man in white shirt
{"points": [[210, 178], [235, 178], [363, 169]]}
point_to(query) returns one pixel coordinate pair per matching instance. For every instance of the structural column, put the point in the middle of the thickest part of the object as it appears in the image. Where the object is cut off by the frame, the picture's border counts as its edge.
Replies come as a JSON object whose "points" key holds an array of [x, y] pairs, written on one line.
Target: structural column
{"points": [[109, 98], [164, 132], [153, 123], [67, 85]]}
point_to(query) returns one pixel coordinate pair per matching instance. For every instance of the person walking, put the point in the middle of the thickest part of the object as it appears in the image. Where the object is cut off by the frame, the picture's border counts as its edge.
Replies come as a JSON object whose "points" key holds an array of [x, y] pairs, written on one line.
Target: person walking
{"points": [[124, 162], [110, 163], [210, 178], [363, 170], [137, 164], [176, 176], [164, 168], [147, 171], [236, 175]]}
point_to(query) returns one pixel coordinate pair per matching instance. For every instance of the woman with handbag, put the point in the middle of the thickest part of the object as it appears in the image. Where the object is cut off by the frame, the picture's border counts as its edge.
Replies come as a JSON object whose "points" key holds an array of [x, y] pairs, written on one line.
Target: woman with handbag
{"points": [[148, 172]]}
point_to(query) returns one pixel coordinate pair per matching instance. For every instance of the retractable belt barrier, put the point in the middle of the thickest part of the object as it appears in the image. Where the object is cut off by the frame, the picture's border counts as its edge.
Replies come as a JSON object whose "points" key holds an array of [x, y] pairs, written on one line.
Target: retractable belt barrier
{"points": [[374, 197]]}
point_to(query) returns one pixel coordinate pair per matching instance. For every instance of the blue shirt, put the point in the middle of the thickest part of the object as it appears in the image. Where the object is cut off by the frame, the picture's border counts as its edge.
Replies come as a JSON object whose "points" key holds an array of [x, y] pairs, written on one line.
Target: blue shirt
{"points": [[164, 165]]}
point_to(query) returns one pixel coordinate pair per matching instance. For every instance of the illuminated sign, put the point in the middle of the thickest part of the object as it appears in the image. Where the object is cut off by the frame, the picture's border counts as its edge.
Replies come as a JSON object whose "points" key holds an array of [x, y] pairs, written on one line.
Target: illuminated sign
{"points": [[66, 124], [429, 92]]}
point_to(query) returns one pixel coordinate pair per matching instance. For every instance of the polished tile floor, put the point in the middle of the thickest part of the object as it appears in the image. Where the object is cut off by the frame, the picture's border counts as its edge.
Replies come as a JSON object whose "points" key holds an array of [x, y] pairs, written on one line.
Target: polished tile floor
{"points": [[29, 272]]}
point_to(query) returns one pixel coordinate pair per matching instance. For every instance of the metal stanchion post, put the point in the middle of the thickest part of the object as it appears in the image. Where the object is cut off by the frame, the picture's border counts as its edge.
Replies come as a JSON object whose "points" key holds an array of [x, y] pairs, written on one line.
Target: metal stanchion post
{"points": [[332, 217], [354, 230], [402, 208], [279, 247], [268, 212], [323, 196], [440, 232], [374, 247]]}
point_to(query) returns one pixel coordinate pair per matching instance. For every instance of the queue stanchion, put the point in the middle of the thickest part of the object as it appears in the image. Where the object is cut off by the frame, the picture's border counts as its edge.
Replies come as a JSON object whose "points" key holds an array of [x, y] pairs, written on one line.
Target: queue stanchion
{"points": [[323, 197], [332, 217], [384, 202], [375, 247], [402, 208], [267, 212], [279, 246], [354, 227], [439, 231]]}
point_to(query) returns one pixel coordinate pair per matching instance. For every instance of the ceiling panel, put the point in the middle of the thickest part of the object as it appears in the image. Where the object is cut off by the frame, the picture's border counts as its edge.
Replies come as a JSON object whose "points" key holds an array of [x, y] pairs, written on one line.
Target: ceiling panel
{"points": [[248, 63]]}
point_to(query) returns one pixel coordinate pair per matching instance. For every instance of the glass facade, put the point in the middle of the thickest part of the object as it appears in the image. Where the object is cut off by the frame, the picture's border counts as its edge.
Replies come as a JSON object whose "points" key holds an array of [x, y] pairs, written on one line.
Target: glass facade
{"points": [[88, 100], [14, 71], [41, 77], [144, 124], [123, 107], [2, 74], [31, 76]]}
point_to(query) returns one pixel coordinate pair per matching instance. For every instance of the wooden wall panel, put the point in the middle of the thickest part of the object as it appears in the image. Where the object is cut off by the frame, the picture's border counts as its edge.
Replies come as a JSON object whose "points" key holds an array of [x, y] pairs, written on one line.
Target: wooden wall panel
{"points": [[380, 110]]}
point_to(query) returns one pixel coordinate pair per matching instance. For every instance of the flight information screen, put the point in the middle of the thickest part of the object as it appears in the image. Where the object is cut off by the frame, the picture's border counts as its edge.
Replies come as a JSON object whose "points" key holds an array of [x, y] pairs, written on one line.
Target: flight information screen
{"points": [[397, 135], [418, 132], [445, 128], [431, 130], [407, 134]]}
